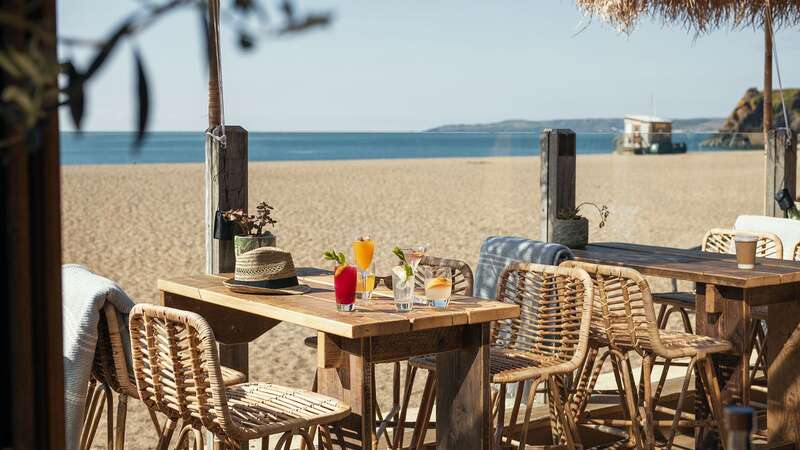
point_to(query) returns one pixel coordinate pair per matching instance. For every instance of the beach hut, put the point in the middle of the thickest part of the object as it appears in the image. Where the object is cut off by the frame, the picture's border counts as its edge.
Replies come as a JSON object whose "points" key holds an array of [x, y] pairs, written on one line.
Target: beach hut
{"points": [[648, 134]]}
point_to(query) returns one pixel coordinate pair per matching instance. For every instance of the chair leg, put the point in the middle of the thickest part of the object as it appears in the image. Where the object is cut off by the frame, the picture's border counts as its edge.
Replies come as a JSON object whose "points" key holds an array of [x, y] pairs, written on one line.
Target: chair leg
{"points": [[166, 434], [523, 439], [326, 435], [713, 396], [631, 401], [306, 438], [563, 416], [400, 427], [499, 404], [647, 400], [92, 417], [122, 416], [109, 417], [424, 413], [679, 407], [314, 388]]}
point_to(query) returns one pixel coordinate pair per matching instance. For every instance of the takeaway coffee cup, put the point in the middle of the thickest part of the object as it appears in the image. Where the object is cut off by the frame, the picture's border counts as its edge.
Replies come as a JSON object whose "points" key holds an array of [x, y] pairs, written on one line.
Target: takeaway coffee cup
{"points": [[746, 251]]}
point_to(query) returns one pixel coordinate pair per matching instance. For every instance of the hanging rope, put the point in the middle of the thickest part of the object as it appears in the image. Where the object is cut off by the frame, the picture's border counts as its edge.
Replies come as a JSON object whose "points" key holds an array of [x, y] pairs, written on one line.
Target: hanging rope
{"points": [[771, 30], [216, 125]]}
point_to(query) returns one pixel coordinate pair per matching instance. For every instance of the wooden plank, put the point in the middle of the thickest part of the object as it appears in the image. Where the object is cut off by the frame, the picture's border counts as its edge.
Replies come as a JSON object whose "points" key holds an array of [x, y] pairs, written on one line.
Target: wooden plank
{"points": [[556, 177], [230, 326], [719, 270], [317, 309], [769, 264], [329, 351], [783, 359], [400, 347], [353, 385], [781, 167], [462, 394]]}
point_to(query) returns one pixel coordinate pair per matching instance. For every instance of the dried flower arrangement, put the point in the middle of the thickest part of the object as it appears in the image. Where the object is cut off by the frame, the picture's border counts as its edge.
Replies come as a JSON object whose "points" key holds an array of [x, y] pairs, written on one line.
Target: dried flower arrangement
{"points": [[575, 213], [252, 225]]}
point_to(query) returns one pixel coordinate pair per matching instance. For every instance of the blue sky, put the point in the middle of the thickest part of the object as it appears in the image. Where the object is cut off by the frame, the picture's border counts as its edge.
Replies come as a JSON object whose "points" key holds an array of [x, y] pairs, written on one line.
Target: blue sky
{"points": [[415, 64]]}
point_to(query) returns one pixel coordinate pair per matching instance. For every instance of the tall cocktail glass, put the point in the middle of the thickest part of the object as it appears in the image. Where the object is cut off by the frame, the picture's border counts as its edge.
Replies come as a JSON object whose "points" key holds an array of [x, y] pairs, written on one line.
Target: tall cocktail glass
{"points": [[363, 251], [344, 288], [414, 254]]}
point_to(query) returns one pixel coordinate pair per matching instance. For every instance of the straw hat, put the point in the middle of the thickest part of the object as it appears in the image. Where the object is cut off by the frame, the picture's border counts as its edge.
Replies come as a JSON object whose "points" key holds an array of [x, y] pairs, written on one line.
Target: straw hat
{"points": [[265, 270]]}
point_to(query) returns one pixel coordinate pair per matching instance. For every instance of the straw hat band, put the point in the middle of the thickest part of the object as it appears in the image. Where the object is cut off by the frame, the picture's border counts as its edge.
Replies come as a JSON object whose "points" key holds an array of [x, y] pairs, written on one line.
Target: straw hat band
{"points": [[267, 270], [258, 272]]}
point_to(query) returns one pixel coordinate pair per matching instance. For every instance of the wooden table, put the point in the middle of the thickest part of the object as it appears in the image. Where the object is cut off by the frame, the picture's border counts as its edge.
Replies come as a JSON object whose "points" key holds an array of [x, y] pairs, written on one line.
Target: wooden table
{"points": [[349, 343], [725, 295]]}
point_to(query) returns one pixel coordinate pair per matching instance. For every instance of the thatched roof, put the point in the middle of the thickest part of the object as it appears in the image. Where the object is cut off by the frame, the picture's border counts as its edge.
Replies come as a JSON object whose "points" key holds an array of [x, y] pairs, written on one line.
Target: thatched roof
{"points": [[698, 15]]}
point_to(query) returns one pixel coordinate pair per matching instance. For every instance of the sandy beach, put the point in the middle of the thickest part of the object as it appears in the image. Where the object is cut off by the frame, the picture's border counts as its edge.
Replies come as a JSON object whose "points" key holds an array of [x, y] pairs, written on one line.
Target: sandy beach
{"points": [[137, 223]]}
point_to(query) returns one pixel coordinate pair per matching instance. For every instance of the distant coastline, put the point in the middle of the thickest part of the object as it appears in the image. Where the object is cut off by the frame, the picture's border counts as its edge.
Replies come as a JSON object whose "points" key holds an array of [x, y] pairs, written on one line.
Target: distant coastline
{"points": [[615, 125]]}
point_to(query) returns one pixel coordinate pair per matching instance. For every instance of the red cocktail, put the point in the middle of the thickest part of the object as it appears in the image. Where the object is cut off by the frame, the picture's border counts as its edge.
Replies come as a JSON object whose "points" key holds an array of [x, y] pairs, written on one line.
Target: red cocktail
{"points": [[344, 287]]}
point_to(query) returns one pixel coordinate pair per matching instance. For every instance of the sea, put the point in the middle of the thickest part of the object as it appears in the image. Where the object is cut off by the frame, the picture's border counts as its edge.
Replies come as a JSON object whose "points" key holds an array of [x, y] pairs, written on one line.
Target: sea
{"points": [[187, 147]]}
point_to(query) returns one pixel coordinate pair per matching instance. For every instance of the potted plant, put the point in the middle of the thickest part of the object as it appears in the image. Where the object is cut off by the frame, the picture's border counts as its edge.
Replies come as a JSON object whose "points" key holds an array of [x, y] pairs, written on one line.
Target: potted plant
{"points": [[250, 231], [572, 229]]}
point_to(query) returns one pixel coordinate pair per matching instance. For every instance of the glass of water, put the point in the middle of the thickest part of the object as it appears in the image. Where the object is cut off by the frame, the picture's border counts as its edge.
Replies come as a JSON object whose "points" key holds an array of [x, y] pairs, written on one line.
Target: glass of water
{"points": [[438, 286], [403, 288]]}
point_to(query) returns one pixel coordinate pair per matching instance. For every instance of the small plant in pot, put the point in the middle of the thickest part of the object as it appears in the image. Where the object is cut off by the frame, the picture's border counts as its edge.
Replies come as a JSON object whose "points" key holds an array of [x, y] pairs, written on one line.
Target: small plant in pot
{"points": [[571, 228], [251, 232]]}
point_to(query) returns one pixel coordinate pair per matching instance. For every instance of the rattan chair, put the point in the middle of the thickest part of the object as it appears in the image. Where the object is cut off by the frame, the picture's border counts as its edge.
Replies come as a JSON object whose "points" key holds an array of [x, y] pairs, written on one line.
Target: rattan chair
{"points": [[548, 341], [624, 322], [178, 373], [720, 240], [111, 374]]}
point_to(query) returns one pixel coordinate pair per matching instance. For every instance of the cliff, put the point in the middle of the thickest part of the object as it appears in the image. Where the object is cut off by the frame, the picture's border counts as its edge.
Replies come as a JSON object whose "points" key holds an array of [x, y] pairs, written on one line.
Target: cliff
{"points": [[743, 127]]}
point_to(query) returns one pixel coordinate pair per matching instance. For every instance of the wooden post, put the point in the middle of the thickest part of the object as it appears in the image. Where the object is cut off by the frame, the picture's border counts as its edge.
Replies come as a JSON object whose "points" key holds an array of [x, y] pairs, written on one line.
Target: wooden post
{"points": [[557, 177], [781, 168], [226, 188], [31, 351]]}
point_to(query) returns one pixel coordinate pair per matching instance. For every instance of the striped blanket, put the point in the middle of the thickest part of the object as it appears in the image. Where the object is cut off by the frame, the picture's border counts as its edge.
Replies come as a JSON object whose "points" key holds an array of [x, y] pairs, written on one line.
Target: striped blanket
{"points": [[83, 298]]}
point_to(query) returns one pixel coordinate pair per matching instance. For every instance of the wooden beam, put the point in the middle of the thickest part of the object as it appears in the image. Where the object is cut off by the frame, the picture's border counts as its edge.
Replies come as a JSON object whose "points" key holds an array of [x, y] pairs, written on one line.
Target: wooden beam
{"points": [[226, 188], [31, 351], [556, 177], [456, 403], [781, 168]]}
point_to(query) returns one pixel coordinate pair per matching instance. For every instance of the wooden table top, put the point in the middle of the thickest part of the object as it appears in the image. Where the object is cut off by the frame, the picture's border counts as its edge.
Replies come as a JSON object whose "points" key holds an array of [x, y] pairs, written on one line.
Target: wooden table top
{"points": [[317, 309], [691, 265]]}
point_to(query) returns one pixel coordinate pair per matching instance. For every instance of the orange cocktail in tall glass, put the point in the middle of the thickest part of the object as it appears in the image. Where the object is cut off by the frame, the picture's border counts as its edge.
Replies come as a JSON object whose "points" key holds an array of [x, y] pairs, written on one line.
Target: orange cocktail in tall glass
{"points": [[363, 251]]}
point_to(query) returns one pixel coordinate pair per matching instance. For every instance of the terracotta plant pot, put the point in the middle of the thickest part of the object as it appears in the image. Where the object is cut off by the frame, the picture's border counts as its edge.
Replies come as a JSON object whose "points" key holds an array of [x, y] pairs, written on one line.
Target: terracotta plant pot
{"points": [[574, 233], [243, 244]]}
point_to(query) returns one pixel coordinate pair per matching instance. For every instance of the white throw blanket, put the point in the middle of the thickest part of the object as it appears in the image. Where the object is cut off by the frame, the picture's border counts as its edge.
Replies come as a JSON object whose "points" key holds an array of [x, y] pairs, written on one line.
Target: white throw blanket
{"points": [[83, 298]]}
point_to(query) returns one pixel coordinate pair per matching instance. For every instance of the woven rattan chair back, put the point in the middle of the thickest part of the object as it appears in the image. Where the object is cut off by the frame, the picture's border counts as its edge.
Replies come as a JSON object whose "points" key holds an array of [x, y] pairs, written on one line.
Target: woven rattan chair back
{"points": [[623, 316], [796, 252], [555, 308], [110, 364], [177, 367], [461, 272], [721, 240]]}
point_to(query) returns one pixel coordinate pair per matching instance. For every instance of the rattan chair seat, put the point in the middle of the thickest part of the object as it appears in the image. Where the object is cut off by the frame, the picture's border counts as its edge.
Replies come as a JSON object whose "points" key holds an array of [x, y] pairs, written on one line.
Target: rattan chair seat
{"points": [[673, 344], [505, 365], [686, 301], [259, 409]]}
